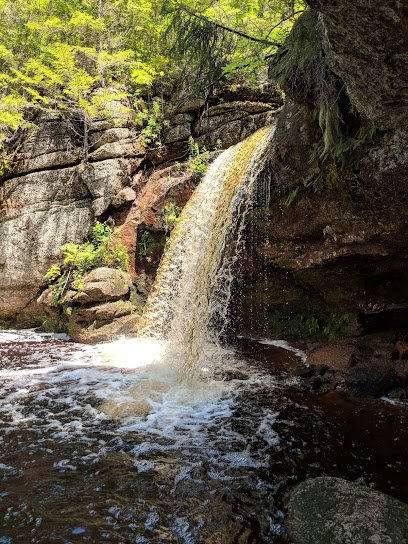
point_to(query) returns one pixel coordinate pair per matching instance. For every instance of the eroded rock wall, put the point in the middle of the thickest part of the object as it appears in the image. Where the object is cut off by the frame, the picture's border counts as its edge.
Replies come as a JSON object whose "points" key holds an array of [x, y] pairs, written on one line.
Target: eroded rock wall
{"points": [[366, 44], [329, 258], [50, 198]]}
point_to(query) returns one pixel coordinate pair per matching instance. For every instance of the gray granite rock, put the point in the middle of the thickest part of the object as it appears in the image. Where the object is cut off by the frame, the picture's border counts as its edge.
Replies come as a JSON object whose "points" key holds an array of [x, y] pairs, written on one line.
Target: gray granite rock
{"points": [[330, 510]]}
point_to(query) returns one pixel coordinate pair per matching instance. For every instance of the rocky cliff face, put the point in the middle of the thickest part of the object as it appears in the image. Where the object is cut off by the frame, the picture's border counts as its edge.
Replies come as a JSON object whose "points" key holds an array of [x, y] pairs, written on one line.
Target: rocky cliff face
{"points": [[51, 196], [324, 260], [366, 44], [331, 260]]}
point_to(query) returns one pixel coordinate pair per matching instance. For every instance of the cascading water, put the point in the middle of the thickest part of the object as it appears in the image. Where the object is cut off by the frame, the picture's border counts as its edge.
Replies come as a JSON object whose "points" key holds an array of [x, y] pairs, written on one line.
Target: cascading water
{"points": [[189, 301]]}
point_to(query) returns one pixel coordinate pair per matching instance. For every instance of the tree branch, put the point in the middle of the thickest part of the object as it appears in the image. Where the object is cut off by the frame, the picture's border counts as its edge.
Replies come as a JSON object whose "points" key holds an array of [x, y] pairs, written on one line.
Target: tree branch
{"points": [[227, 28], [283, 20]]}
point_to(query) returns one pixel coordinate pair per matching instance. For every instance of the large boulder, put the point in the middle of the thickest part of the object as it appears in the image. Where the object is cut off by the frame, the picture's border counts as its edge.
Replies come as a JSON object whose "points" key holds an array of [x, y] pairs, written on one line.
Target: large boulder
{"points": [[126, 325], [96, 308], [101, 284], [334, 511]]}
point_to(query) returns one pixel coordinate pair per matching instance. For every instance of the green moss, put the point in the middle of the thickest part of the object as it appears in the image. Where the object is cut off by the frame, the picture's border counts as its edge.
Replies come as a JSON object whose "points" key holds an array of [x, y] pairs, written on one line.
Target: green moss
{"points": [[300, 65], [6, 324], [337, 290], [170, 215], [310, 324], [68, 318], [282, 261], [141, 281], [50, 324], [136, 299], [341, 134], [329, 510]]}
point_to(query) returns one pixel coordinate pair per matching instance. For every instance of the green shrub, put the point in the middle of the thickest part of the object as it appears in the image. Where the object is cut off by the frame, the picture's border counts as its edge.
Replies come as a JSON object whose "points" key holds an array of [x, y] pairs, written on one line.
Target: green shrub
{"points": [[170, 215], [152, 120], [199, 159], [105, 249], [310, 324], [149, 242], [301, 69]]}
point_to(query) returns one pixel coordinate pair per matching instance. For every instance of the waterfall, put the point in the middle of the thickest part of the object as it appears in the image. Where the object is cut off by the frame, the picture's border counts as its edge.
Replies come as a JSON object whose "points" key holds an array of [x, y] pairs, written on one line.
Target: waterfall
{"points": [[188, 303]]}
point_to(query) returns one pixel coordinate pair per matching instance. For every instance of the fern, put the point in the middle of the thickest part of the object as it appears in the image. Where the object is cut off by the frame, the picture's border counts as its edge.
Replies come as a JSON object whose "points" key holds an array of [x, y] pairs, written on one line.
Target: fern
{"points": [[106, 249]]}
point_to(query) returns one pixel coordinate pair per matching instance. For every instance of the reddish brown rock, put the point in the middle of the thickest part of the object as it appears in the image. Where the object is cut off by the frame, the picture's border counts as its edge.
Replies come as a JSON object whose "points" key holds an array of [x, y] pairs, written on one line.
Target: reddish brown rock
{"points": [[128, 233], [365, 367], [401, 349]]}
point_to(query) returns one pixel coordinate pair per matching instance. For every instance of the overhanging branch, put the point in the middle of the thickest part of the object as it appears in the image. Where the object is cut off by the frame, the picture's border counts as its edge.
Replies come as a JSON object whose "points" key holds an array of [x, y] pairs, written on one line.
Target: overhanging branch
{"points": [[227, 28]]}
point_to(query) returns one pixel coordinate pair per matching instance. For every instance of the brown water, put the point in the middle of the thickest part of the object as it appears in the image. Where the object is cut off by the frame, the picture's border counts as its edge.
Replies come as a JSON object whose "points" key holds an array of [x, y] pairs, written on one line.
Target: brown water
{"points": [[201, 465]]}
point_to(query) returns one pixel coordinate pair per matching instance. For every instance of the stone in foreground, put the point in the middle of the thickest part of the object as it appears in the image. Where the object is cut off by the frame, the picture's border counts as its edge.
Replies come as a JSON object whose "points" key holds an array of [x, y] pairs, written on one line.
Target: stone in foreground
{"points": [[330, 510]]}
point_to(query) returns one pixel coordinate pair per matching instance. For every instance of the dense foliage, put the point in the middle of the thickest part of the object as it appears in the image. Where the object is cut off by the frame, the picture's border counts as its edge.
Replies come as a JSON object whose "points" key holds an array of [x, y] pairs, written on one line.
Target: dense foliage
{"points": [[55, 54]]}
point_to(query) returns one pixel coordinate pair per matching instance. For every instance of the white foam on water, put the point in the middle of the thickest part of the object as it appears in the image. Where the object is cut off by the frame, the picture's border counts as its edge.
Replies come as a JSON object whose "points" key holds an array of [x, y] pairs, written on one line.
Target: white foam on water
{"points": [[16, 336], [395, 402], [285, 345], [125, 371], [127, 383]]}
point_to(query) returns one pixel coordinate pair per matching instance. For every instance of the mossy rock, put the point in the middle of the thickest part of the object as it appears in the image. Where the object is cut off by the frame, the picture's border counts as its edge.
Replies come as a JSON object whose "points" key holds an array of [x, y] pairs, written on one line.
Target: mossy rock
{"points": [[330, 510]]}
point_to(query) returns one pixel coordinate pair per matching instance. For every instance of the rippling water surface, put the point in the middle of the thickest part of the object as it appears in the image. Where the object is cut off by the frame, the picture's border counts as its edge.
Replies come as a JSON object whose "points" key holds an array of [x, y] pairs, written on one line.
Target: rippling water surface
{"points": [[106, 444]]}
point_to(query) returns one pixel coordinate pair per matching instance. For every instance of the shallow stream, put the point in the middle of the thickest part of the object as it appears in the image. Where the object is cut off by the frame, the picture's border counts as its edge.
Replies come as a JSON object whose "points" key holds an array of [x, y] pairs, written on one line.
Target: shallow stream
{"points": [[106, 445]]}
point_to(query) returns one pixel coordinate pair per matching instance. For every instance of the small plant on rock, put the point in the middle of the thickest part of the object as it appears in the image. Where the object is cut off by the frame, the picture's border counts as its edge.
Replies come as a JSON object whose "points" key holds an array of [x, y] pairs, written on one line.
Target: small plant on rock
{"points": [[199, 159], [170, 215], [105, 249], [151, 118]]}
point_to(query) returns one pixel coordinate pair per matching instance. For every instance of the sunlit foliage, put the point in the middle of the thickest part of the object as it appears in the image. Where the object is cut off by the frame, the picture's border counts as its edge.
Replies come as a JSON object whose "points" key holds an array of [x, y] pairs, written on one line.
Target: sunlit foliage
{"points": [[55, 53]]}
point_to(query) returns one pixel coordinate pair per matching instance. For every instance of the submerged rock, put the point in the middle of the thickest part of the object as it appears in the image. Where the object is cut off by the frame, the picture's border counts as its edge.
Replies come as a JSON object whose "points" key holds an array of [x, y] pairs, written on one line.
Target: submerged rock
{"points": [[330, 510]]}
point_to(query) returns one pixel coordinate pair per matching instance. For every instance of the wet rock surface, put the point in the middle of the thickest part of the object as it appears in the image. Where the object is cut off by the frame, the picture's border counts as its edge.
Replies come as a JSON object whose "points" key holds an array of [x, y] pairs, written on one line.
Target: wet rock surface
{"points": [[327, 509], [368, 366], [115, 321], [336, 245]]}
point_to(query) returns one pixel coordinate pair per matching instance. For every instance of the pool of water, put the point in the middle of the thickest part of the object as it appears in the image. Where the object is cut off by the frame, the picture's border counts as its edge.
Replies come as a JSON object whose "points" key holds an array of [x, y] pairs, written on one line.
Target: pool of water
{"points": [[105, 444]]}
